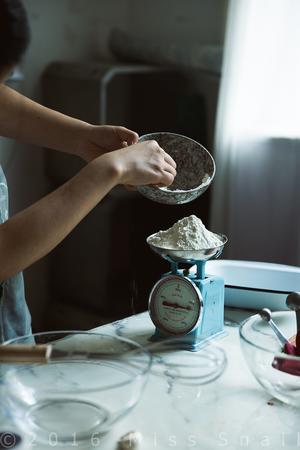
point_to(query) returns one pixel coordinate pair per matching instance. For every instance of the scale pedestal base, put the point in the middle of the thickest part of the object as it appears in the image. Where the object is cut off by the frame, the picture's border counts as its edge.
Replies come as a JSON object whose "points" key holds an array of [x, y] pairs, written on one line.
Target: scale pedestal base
{"points": [[187, 342]]}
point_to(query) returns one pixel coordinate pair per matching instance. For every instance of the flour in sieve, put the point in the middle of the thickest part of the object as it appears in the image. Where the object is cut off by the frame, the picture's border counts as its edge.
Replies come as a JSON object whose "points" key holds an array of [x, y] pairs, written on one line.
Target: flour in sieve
{"points": [[188, 233]]}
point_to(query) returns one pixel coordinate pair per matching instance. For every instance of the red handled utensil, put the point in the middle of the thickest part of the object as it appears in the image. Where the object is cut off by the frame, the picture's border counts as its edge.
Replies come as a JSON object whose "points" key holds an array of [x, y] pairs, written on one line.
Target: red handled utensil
{"points": [[293, 303], [283, 363], [287, 346], [291, 366]]}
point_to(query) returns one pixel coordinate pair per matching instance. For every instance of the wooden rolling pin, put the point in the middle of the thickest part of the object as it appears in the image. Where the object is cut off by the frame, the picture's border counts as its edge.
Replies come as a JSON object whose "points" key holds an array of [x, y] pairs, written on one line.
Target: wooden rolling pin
{"points": [[21, 353], [45, 353]]}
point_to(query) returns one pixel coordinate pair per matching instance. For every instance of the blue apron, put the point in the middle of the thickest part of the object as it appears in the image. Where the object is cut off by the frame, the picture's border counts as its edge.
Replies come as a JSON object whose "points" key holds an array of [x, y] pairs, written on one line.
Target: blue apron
{"points": [[14, 314]]}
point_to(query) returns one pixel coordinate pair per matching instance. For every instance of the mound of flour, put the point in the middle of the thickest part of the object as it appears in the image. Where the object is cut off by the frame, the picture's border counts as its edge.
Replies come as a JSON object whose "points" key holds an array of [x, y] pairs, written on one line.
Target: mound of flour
{"points": [[188, 233]]}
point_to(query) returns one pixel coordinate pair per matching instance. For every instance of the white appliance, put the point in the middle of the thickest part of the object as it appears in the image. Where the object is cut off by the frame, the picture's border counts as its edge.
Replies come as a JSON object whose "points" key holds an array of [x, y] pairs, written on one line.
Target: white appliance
{"points": [[256, 285]]}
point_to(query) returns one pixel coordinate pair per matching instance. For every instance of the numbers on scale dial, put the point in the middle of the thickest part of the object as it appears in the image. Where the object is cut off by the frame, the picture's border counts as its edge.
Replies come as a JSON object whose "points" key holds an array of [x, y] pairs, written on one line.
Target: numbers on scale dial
{"points": [[175, 305]]}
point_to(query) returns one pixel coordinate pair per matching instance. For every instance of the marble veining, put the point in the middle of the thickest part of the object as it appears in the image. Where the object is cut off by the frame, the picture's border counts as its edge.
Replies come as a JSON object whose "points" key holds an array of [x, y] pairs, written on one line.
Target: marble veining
{"points": [[233, 412]]}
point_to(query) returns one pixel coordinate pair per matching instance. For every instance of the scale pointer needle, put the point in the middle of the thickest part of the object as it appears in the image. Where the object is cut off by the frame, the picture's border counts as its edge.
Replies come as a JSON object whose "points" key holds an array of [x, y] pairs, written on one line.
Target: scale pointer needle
{"points": [[176, 305]]}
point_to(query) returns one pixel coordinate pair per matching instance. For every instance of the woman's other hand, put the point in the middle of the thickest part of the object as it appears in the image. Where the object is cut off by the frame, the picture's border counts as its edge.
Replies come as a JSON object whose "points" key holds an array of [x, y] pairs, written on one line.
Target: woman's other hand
{"points": [[101, 139]]}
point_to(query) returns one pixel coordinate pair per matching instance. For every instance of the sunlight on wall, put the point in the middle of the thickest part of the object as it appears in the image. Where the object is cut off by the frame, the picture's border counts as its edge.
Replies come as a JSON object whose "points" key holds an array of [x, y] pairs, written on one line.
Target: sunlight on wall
{"points": [[263, 70]]}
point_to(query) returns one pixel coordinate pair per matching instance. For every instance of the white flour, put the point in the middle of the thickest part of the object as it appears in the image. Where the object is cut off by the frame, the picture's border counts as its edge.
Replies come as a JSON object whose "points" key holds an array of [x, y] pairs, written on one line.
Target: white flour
{"points": [[188, 233], [205, 180]]}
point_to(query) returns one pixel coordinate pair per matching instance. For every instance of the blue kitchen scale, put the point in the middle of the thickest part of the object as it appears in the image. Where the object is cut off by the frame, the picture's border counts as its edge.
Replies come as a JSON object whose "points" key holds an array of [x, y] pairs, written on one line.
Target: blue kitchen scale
{"points": [[187, 305]]}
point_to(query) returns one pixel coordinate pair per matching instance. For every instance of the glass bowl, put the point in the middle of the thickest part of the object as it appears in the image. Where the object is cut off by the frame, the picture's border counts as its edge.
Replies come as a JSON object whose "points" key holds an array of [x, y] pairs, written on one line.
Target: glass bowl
{"points": [[185, 367], [277, 372], [186, 384], [75, 400], [195, 169]]}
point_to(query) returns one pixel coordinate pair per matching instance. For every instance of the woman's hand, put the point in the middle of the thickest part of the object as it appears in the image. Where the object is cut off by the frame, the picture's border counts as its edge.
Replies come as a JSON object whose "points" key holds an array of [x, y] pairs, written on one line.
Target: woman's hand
{"points": [[101, 139], [141, 164]]}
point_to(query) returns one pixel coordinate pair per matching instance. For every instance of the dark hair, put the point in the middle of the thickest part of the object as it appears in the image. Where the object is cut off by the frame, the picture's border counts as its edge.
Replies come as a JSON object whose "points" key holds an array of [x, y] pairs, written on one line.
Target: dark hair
{"points": [[14, 32]]}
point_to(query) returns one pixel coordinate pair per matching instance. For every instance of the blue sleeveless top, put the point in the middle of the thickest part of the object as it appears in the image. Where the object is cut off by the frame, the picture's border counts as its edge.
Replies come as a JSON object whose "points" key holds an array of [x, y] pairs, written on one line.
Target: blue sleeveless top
{"points": [[14, 314]]}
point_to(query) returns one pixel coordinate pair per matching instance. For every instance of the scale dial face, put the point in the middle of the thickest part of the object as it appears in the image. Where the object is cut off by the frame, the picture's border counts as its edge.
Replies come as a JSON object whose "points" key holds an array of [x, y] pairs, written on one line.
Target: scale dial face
{"points": [[175, 305]]}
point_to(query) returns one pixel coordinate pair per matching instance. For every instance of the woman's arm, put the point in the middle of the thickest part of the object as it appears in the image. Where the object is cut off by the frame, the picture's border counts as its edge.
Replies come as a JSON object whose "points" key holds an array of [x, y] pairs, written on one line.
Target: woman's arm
{"points": [[28, 121], [34, 232]]}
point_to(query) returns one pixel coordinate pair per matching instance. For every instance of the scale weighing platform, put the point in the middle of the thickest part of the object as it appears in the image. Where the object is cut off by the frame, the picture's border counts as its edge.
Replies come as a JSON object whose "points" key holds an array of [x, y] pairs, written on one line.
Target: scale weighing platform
{"points": [[186, 307]]}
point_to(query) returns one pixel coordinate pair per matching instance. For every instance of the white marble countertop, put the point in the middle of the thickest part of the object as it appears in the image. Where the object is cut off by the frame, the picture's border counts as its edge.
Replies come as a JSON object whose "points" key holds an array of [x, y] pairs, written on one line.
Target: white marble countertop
{"points": [[233, 412]]}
